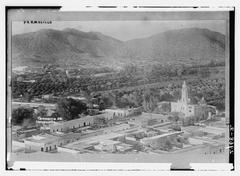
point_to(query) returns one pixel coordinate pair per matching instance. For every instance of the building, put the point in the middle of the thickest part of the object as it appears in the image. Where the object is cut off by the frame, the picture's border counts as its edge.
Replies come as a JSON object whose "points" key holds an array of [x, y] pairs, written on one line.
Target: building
{"points": [[23, 133], [44, 143], [187, 109], [159, 140], [120, 113], [72, 124], [107, 145]]}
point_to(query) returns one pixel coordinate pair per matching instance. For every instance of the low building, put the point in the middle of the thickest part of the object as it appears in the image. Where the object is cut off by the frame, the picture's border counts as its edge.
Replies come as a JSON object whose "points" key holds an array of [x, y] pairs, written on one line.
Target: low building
{"points": [[72, 124], [107, 145], [65, 138], [120, 113], [213, 149], [113, 113], [42, 143], [158, 140], [23, 133]]}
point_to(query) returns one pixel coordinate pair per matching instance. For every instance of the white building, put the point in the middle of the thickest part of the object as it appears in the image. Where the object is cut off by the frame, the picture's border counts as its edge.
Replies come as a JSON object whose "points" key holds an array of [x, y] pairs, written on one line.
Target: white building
{"points": [[42, 143], [116, 113], [72, 124], [184, 106]]}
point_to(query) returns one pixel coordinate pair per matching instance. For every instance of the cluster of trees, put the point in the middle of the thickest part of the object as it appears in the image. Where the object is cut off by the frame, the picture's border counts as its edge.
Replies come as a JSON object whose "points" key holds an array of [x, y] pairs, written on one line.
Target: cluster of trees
{"points": [[55, 81], [148, 97], [149, 101], [23, 116], [69, 108]]}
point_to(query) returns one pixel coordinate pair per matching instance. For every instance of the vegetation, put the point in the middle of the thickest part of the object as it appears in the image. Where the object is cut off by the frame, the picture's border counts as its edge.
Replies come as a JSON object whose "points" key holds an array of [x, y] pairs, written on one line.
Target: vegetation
{"points": [[69, 108], [128, 88], [23, 116]]}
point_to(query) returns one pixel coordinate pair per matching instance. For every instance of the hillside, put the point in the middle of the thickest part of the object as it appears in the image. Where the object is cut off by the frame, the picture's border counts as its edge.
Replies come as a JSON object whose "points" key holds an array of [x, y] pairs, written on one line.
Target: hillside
{"points": [[186, 45], [70, 46], [93, 49]]}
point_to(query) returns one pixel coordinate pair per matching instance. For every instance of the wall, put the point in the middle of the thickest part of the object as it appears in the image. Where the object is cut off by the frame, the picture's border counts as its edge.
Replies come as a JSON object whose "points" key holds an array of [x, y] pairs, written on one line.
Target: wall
{"points": [[33, 145], [19, 144], [71, 124], [62, 149], [218, 149], [30, 145]]}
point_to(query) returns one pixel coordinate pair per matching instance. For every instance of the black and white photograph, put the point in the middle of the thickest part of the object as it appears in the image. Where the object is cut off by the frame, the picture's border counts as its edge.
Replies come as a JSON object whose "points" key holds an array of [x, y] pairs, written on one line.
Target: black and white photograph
{"points": [[119, 87]]}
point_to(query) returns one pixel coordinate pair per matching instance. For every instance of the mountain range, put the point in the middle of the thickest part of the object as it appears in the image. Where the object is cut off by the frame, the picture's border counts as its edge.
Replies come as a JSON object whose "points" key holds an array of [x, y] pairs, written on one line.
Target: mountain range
{"points": [[93, 49]]}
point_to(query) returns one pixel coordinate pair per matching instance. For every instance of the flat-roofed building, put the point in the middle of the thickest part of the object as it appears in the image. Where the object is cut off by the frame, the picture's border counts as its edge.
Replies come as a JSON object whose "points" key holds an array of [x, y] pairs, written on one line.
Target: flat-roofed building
{"points": [[159, 139], [42, 143], [120, 113], [72, 124], [107, 145]]}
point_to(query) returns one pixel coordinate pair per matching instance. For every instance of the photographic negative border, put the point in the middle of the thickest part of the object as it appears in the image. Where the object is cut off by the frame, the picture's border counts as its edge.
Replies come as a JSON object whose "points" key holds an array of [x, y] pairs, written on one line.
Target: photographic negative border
{"points": [[111, 8]]}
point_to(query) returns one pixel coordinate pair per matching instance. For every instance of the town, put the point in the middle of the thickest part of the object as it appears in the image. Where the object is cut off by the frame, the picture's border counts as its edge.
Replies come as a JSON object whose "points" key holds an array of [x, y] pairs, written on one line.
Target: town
{"points": [[86, 125]]}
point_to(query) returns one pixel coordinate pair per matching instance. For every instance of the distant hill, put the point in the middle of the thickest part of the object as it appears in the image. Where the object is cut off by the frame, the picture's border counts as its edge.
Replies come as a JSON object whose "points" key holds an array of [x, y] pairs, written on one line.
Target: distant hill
{"points": [[185, 45], [93, 49], [69, 46]]}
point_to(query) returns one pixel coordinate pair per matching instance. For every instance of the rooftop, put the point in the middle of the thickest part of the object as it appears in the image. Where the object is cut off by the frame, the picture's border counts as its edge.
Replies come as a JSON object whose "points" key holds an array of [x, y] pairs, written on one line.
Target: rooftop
{"points": [[163, 135], [43, 138]]}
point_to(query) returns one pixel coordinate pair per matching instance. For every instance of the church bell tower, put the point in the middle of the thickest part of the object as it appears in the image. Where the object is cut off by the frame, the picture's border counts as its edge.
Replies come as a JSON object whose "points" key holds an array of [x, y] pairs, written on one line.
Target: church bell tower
{"points": [[184, 98]]}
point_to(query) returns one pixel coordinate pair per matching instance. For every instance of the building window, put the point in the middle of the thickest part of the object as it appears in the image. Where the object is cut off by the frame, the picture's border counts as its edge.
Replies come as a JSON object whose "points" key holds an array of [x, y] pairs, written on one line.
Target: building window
{"points": [[46, 149], [41, 149]]}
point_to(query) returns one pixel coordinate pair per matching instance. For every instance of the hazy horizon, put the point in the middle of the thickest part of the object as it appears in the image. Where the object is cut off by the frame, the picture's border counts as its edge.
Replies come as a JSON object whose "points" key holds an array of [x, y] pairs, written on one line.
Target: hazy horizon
{"points": [[122, 30]]}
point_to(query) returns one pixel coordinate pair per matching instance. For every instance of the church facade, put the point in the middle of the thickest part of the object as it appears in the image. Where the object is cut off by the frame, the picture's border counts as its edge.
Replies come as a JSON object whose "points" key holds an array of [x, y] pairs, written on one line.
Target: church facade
{"points": [[187, 109]]}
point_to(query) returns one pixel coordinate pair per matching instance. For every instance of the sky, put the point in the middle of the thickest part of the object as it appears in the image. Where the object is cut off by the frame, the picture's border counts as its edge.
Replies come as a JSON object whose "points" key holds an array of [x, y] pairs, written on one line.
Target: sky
{"points": [[122, 30]]}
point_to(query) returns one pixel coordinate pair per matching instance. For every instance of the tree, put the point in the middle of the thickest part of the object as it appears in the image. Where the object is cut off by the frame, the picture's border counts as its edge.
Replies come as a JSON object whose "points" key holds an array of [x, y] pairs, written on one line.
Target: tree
{"points": [[149, 101], [20, 114], [168, 145], [69, 108], [27, 97], [41, 111]]}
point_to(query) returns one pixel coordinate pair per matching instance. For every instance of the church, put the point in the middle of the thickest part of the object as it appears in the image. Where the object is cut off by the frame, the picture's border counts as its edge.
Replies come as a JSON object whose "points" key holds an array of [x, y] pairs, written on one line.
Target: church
{"points": [[184, 106]]}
